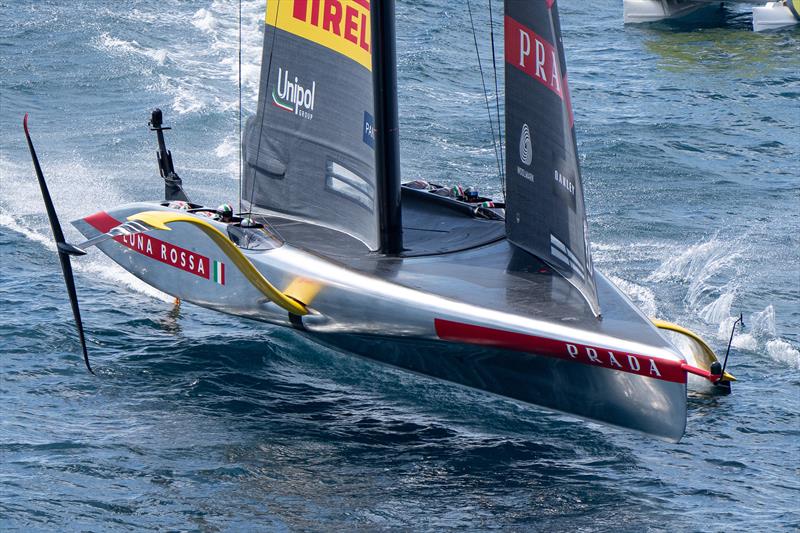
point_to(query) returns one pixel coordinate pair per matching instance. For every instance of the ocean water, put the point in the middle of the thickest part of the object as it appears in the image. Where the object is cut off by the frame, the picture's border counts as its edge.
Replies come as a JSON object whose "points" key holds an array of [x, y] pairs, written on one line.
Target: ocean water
{"points": [[196, 421]]}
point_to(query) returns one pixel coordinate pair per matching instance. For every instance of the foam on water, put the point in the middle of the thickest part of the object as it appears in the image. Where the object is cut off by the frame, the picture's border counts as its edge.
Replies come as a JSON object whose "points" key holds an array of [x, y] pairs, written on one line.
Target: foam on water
{"points": [[220, 23], [620, 255], [8, 221], [762, 323], [194, 72], [204, 20], [709, 276], [726, 263], [96, 264], [72, 184], [705, 267], [719, 309], [642, 296], [783, 351], [119, 46], [22, 211], [760, 334], [228, 150]]}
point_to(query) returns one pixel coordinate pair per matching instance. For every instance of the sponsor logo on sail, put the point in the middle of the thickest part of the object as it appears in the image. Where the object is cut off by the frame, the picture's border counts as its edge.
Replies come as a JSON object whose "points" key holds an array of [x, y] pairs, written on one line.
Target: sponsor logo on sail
{"points": [[525, 145], [291, 96], [369, 130], [566, 183], [533, 54], [538, 58], [525, 153], [339, 25]]}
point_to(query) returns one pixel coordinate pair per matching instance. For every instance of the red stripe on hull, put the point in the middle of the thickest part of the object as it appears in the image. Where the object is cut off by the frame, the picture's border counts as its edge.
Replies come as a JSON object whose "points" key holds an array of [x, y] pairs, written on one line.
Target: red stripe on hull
{"points": [[162, 251], [102, 221], [642, 365]]}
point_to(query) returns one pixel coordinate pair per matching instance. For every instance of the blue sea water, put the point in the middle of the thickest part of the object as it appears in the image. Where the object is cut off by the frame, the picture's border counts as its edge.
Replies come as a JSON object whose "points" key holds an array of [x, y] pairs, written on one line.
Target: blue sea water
{"points": [[689, 140]]}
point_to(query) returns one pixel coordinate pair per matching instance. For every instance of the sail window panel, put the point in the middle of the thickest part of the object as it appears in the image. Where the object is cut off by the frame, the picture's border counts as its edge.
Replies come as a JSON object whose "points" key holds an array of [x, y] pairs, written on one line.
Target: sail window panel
{"points": [[347, 183]]}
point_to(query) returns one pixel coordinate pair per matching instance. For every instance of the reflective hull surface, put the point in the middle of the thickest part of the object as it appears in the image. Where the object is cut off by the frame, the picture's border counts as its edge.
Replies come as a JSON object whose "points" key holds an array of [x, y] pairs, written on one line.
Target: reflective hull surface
{"points": [[485, 317]]}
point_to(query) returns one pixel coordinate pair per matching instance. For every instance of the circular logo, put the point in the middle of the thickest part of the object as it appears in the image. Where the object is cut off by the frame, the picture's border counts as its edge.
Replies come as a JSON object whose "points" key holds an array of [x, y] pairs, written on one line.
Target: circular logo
{"points": [[525, 145]]}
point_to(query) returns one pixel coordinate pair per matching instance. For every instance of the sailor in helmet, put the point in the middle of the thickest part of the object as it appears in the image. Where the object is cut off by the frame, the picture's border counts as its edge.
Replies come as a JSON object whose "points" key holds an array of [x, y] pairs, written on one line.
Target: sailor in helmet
{"points": [[248, 222], [179, 205], [225, 212]]}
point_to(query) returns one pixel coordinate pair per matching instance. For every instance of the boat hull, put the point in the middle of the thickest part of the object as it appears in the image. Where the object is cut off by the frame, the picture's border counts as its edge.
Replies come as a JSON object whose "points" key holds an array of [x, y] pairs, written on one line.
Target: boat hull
{"points": [[775, 16], [641, 403], [407, 313], [643, 11]]}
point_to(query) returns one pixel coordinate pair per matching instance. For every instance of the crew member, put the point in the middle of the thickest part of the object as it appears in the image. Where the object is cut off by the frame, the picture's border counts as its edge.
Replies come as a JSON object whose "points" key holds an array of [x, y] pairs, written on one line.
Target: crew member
{"points": [[179, 205], [225, 212]]}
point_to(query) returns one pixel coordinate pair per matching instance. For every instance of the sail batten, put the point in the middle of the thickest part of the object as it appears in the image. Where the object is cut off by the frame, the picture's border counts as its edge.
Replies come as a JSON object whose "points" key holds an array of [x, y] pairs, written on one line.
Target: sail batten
{"points": [[545, 211]]}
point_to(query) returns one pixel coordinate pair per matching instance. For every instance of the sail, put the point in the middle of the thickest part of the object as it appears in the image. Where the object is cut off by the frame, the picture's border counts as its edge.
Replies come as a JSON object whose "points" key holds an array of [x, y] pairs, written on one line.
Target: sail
{"points": [[545, 212], [309, 150]]}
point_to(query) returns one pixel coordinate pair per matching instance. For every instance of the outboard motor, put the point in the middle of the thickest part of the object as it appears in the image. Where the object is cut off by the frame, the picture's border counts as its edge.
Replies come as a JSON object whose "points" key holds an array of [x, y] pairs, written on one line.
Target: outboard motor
{"points": [[173, 186]]}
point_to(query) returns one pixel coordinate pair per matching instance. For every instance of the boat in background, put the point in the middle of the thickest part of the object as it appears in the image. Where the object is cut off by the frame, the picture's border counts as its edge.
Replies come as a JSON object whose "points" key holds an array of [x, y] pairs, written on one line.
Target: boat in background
{"points": [[776, 15], [498, 296], [770, 16]]}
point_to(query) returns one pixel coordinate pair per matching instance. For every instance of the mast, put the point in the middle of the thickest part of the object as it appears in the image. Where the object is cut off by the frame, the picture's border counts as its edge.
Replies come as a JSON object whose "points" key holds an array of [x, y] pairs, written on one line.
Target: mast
{"points": [[387, 129]]}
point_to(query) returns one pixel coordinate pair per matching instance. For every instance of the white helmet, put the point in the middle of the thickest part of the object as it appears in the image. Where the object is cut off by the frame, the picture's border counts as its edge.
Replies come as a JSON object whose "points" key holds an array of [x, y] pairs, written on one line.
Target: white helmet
{"points": [[179, 205]]}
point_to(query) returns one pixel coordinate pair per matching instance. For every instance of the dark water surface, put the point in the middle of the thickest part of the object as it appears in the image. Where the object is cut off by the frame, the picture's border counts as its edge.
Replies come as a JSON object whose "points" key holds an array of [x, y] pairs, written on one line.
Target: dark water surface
{"points": [[198, 421]]}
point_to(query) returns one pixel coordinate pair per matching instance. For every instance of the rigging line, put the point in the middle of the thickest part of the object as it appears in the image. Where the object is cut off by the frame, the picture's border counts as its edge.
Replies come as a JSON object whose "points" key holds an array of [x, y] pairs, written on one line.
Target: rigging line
{"points": [[497, 105], [264, 105], [485, 93], [241, 163]]}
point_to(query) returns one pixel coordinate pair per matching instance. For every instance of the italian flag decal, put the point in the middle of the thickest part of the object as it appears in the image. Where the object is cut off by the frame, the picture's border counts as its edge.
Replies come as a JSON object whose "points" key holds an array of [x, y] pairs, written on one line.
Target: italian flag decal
{"points": [[218, 272]]}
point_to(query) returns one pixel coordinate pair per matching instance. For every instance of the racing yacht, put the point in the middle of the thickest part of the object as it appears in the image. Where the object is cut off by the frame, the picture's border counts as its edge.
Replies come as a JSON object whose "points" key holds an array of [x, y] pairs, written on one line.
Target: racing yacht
{"points": [[497, 296]]}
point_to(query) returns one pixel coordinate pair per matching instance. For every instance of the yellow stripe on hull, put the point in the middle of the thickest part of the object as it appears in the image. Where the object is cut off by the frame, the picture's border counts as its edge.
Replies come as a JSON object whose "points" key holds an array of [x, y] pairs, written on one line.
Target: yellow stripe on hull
{"points": [[707, 351], [794, 7], [159, 221]]}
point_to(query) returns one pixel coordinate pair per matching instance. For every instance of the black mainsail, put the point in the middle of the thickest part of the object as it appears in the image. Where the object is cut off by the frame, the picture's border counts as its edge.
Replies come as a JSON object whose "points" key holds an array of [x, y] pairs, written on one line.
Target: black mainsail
{"points": [[309, 151], [545, 212]]}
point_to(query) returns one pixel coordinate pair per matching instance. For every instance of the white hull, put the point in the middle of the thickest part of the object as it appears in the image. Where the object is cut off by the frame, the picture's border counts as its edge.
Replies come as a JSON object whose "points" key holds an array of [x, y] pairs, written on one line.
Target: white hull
{"points": [[641, 11], [773, 16], [770, 16]]}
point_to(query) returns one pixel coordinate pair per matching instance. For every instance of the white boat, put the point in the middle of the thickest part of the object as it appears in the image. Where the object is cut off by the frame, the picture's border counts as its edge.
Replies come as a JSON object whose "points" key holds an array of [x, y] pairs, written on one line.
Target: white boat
{"points": [[642, 11], [770, 16], [502, 297], [776, 15]]}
